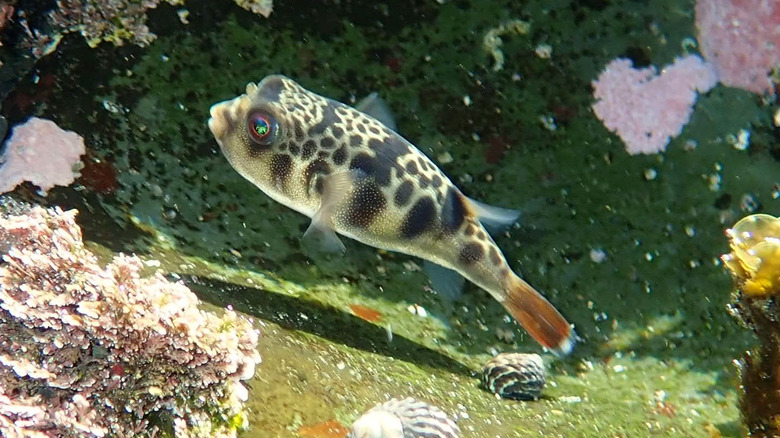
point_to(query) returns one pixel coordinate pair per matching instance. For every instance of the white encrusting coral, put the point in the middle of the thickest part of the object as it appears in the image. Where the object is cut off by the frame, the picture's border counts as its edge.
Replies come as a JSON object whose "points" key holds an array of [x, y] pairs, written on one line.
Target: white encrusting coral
{"points": [[42, 153]]}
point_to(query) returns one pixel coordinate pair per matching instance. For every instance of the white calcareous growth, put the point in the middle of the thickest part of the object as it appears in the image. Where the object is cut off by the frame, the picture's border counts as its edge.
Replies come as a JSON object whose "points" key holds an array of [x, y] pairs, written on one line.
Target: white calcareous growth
{"points": [[42, 153]]}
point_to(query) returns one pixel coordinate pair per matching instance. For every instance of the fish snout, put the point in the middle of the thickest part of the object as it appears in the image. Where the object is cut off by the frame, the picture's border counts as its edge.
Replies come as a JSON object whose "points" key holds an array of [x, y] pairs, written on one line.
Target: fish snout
{"points": [[219, 120]]}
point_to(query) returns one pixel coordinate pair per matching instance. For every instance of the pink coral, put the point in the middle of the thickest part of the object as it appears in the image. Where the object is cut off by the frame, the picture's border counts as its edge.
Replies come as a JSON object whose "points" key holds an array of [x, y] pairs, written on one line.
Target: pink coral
{"points": [[645, 109], [742, 39], [88, 351], [42, 153]]}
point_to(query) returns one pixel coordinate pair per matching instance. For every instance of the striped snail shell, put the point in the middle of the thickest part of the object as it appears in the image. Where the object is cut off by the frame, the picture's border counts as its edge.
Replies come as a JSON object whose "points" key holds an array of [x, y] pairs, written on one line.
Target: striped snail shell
{"points": [[407, 418], [515, 375]]}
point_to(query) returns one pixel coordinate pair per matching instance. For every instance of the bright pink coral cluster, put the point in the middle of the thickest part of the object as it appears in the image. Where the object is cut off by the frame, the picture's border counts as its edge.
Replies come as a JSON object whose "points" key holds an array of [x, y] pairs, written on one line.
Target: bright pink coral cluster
{"points": [[742, 39], [646, 109], [87, 351]]}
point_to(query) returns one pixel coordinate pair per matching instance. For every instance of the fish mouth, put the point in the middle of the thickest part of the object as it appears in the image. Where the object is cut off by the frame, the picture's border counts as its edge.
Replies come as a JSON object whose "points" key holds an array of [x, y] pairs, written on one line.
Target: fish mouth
{"points": [[226, 115], [218, 122]]}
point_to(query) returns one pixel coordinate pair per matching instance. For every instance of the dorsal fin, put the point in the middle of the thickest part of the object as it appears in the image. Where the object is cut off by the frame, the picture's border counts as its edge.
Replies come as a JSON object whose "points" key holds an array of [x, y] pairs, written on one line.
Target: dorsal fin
{"points": [[494, 219]]}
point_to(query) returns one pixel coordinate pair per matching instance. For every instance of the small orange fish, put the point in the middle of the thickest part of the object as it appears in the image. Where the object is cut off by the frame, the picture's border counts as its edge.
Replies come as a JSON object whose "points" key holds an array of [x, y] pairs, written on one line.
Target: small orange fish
{"points": [[366, 313], [327, 429]]}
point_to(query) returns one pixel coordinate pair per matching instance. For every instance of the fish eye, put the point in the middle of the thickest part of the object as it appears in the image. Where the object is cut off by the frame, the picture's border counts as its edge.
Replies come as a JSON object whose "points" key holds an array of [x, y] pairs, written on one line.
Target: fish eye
{"points": [[262, 128]]}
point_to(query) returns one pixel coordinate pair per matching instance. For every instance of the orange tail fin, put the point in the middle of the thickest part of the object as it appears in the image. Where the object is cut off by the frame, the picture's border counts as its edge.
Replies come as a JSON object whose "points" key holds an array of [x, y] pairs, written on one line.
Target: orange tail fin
{"points": [[539, 318]]}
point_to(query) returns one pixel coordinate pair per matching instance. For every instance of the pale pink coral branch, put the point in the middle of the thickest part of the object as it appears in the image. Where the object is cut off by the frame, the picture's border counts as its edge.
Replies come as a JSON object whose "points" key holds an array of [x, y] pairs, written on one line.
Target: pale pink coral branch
{"points": [[645, 109], [742, 39]]}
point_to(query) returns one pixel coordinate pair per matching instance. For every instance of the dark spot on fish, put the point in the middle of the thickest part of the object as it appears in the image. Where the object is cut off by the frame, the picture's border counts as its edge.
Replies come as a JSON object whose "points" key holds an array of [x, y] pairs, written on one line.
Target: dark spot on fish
{"points": [[495, 257], [337, 132], [323, 155], [298, 133], [306, 118], [481, 235], [363, 162], [423, 163], [504, 272], [436, 181], [453, 212], [361, 128], [294, 149], [315, 169], [340, 156], [411, 167], [423, 181], [282, 147], [471, 253], [388, 154], [370, 166], [366, 204], [327, 143], [329, 118], [470, 230], [383, 172], [391, 148], [419, 219], [271, 88], [403, 193], [308, 149], [373, 130], [281, 168], [355, 141]]}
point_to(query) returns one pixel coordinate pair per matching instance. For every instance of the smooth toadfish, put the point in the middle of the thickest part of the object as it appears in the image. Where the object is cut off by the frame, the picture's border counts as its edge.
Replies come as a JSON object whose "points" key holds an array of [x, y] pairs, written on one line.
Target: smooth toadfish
{"points": [[354, 175]]}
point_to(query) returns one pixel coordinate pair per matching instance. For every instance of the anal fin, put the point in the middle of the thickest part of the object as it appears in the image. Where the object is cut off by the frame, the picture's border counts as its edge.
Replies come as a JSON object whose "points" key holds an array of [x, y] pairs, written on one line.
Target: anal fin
{"points": [[447, 282]]}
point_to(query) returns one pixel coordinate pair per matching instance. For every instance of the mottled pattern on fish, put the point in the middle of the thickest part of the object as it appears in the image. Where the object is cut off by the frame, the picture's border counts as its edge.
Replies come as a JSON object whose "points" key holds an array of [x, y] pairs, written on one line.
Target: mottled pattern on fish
{"points": [[407, 418], [355, 176], [515, 375]]}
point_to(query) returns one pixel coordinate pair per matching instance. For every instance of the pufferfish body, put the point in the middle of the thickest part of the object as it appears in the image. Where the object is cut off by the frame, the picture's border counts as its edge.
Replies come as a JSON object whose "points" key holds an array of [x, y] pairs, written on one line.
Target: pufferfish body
{"points": [[355, 176]]}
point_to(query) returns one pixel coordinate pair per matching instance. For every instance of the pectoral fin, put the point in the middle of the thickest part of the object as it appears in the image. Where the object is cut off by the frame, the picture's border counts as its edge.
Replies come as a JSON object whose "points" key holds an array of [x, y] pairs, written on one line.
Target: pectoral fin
{"points": [[494, 219], [334, 188]]}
